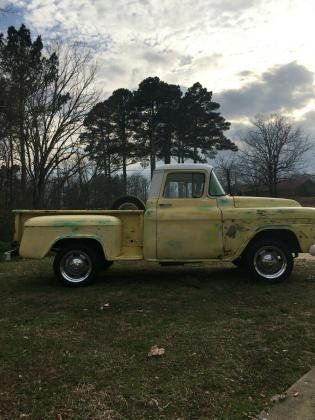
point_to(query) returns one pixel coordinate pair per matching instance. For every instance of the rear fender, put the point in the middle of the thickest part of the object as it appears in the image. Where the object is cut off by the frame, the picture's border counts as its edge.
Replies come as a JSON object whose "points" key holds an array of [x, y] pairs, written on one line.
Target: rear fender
{"points": [[41, 234]]}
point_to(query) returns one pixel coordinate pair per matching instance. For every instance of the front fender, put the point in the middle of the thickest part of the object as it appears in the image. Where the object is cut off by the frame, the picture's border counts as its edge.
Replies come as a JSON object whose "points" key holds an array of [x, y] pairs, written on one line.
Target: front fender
{"points": [[240, 226], [41, 233]]}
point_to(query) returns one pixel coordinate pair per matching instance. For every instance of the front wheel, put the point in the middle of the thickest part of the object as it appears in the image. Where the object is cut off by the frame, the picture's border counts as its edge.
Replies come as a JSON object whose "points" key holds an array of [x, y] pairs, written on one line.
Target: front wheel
{"points": [[269, 260], [76, 265]]}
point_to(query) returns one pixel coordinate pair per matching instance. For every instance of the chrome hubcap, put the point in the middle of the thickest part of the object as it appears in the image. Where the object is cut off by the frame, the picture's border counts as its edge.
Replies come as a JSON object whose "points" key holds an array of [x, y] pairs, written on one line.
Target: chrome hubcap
{"points": [[75, 266], [270, 262]]}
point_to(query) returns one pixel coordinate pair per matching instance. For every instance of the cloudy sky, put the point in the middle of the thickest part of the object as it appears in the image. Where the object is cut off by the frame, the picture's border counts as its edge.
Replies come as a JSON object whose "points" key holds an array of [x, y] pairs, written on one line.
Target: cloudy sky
{"points": [[255, 55]]}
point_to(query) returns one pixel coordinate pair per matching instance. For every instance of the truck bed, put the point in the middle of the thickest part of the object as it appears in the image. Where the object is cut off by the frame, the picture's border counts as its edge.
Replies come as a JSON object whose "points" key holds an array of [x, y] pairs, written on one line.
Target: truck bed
{"points": [[131, 220]]}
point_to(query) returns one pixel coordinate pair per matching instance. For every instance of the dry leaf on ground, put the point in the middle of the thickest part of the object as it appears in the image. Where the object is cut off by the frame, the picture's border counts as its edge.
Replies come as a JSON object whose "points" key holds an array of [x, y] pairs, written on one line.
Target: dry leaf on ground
{"points": [[156, 351]]}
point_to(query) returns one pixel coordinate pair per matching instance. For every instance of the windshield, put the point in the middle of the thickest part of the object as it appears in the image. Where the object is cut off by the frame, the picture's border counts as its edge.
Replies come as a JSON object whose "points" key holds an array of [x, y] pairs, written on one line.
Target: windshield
{"points": [[215, 188]]}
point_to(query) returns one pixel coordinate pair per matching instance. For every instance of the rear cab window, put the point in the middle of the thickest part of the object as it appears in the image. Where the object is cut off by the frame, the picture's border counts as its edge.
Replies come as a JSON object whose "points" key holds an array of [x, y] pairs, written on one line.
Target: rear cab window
{"points": [[184, 185]]}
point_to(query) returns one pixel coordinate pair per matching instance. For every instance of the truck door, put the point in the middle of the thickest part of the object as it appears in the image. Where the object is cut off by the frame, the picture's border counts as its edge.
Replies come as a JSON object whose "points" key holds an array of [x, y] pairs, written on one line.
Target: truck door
{"points": [[189, 225]]}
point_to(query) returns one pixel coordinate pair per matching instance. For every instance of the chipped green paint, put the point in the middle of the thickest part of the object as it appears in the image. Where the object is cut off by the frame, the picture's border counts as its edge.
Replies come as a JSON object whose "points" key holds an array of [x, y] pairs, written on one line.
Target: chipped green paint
{"points": [[206, 207], [104, 222], [175, 243], [286, 211], [76, 224], [150, 213], [73, 225], [225, 201]]}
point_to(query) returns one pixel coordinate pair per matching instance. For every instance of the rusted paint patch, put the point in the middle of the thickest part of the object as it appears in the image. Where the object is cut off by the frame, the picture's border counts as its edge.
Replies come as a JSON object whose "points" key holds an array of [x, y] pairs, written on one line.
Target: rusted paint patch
{"points": [[262, 213], [234, 229]]}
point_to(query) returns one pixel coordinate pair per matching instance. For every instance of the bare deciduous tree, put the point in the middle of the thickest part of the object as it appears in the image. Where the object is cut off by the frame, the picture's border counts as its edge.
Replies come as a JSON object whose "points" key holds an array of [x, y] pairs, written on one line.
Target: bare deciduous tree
{"points": [[55, 114], [273, 149], [227, 168]]}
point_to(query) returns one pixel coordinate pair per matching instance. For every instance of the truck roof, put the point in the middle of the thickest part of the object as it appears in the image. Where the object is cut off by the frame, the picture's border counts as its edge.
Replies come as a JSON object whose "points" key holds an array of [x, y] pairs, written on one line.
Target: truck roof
{"points": [[185, 166]]}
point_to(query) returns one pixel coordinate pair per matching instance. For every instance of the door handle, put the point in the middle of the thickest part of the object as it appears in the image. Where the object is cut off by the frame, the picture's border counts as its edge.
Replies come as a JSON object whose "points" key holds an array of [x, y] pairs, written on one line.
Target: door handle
{"points": [[165, 205]]}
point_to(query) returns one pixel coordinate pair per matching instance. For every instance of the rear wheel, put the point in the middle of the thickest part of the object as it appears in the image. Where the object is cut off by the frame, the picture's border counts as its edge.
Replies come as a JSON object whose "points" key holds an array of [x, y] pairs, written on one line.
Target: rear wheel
{"points": [[269, 260], [77, 265]]}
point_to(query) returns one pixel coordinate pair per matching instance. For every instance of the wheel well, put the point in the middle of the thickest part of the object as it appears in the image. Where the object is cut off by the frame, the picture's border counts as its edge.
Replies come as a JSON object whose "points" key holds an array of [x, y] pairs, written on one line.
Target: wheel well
{"points": [[285, 235], [90, 242]]}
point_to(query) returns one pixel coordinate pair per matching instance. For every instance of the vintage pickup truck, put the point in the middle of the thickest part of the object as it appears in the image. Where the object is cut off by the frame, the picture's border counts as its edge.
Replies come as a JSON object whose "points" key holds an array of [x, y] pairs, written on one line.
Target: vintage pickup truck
{"points": [[187, 218]]}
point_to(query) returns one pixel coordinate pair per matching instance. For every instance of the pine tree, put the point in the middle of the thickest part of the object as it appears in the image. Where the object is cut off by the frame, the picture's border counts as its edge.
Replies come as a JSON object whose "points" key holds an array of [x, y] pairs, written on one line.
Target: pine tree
{"points": [[153, 100], [200, 126], [97, 138], [120, 104]]}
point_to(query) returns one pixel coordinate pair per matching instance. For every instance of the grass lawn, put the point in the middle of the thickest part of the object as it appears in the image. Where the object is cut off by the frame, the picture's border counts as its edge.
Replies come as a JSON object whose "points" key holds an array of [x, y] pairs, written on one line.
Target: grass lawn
{"points": [[230, 344]]}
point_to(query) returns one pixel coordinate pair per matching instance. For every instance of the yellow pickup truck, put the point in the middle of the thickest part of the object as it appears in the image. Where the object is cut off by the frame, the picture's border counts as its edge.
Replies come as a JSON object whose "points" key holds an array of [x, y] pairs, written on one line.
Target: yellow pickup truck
{"points": [[187, 218]]}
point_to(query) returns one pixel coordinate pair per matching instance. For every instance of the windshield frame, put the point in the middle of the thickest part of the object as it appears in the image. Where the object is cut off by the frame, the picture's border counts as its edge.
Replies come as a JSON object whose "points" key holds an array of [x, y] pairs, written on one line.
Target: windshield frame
{"points": [[212, 174]]}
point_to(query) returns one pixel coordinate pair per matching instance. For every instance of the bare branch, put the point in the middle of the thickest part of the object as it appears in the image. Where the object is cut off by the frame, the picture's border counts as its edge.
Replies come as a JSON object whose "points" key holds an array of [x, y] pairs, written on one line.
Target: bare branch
{"points": [[272, 151]]}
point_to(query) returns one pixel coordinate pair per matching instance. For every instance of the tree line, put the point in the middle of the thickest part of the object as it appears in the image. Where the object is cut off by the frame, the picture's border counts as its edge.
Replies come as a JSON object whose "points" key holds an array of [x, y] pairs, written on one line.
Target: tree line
{"points": [[48, 112], [155, 122]]}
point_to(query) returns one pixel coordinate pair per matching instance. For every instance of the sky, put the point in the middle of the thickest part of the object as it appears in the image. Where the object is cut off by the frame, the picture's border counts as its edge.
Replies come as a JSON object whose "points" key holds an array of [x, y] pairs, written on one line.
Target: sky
{"points": [[255, 55]]}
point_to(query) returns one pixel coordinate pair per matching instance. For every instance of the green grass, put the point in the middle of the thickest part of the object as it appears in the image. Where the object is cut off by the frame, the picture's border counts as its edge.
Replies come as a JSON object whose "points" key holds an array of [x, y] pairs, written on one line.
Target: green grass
{"points": [[230, 344]]}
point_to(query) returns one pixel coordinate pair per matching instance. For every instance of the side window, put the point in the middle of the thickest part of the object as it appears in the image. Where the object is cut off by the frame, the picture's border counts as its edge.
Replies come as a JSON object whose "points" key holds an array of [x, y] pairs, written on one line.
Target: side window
{"points": [[184, 185]]}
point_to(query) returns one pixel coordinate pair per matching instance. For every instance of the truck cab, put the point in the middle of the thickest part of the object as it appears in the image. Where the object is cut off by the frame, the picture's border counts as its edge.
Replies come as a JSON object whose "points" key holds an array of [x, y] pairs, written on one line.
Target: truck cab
{"points": [[182, 212]]}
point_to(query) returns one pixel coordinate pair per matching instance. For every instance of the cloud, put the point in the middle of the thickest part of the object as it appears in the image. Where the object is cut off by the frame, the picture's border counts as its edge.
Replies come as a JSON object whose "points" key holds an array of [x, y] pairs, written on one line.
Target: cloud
{"points": [[130, 13], [308, 124], [168, 37], [234, 6], [282, 88], [246, 73], [159, 59], [181, 41]]}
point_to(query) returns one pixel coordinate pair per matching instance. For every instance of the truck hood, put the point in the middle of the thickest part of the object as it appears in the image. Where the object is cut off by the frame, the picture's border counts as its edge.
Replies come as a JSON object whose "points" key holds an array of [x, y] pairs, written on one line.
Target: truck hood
{"points": [[252, 202]]}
